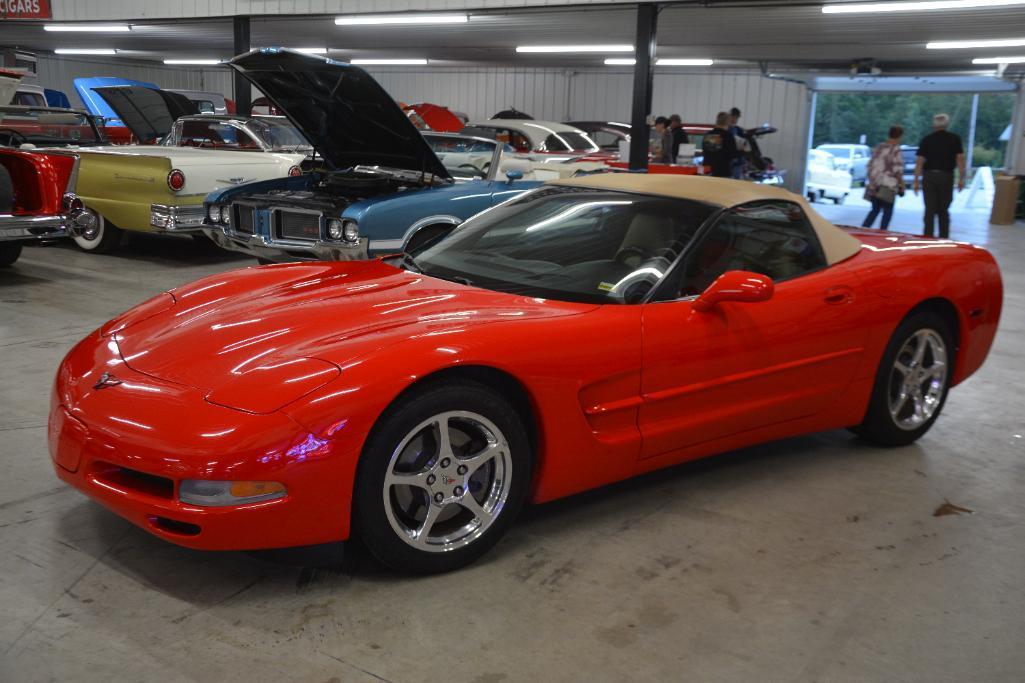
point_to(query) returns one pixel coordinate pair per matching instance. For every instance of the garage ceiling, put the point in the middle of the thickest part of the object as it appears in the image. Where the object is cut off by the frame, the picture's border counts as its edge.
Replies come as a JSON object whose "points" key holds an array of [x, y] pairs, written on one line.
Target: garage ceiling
{"points": [[787, 35]]}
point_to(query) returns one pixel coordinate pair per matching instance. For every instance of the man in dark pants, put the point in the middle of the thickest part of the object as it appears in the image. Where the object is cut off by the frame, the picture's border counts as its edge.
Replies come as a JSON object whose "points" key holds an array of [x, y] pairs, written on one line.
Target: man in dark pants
{"points": [[939, 153]]}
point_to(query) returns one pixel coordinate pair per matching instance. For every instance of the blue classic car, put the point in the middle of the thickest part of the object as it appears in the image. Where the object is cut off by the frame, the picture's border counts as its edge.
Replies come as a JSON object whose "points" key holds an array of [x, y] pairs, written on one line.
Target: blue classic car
{"points": [[386, 187]]}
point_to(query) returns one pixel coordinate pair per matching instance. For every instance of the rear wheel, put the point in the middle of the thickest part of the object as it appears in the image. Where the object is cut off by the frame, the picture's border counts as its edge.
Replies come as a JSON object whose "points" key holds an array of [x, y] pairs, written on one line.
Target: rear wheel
{"points": [[912, 381], [442, 477], [101, 237]]}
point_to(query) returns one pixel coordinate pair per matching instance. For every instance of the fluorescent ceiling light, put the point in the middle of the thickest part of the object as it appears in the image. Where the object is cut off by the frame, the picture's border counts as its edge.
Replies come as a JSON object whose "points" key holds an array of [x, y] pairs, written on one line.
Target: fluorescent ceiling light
{"points": [[195, 62], [393, 62], [920, 6], [400, 19], [85, 51], [961, 44], [684, 62], [1020, 59], [575, 48], [311, 50], [629, 61], [88, 28]]}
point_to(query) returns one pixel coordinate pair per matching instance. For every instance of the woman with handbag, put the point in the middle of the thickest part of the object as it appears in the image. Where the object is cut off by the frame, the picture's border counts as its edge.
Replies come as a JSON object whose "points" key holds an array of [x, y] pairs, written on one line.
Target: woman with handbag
{"points": [[885, 178]]}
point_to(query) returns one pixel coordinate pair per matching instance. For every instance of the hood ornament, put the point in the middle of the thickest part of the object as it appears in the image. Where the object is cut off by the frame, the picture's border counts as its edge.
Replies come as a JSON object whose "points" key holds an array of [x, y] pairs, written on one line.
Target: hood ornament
{"points": [[106, 380]]}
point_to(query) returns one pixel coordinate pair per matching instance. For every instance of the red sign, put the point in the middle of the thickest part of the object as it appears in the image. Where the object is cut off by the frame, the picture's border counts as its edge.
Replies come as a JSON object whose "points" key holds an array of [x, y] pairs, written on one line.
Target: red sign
{"points": [[25, 9]]}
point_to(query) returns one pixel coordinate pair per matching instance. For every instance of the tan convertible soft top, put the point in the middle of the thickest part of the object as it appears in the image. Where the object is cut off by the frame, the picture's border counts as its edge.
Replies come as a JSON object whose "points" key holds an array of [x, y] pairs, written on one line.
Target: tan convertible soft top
{"points": [[836, 243]]}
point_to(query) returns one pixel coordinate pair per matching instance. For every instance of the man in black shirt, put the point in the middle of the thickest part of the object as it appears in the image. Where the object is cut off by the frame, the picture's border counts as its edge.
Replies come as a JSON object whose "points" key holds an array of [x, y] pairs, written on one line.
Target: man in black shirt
{"points": [[938, 153], [679, 135], [719, 147]]}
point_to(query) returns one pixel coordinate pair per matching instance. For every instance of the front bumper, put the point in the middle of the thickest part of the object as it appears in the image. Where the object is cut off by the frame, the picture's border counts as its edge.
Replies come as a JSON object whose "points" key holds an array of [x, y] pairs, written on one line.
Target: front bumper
{"points": [[129, 446], [287, 250], [183, 219]]}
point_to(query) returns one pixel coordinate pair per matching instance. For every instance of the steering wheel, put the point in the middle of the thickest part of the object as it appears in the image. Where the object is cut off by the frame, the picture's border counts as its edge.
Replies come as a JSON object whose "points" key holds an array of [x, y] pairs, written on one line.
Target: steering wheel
{"points": [[476, 171], [13, 136]]}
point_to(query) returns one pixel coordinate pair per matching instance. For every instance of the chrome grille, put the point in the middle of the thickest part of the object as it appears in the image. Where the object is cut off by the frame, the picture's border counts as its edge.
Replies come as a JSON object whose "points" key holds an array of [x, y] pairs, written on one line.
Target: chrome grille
{"points": [[242, 219], [297, 225]]}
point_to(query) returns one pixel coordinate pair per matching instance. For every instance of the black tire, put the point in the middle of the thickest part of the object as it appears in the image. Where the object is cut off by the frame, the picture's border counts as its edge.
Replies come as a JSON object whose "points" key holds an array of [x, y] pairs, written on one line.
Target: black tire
{"points": [[103, 238], [840, 199], [9, 253], [6, 191], [398, 424], [879, 426]]}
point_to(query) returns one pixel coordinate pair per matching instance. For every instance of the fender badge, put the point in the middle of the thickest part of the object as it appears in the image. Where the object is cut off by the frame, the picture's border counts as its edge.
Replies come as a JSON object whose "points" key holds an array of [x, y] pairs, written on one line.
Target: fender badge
{"points": [[106, 380]]}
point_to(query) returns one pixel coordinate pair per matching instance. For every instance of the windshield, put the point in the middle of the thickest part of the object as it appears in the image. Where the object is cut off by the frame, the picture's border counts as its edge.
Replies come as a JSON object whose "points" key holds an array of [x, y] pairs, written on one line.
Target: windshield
{"points": [[570, 244], [462, 156], [840, 152], [43, 127], [279, 135]]}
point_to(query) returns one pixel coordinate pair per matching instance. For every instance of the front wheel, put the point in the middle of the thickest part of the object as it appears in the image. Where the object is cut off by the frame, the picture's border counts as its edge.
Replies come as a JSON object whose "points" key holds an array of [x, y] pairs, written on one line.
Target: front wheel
{"points": [[912, 381], [441, 478], [9, 253], [100, 237]]}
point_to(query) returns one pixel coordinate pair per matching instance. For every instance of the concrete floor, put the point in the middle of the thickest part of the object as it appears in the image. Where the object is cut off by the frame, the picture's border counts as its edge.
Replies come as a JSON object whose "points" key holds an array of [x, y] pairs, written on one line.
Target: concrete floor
{"points": [[811, 559]]}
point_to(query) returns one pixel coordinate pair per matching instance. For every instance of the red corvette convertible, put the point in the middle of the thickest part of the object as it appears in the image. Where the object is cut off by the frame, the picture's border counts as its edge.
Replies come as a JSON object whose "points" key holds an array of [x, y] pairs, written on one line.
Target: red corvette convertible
{"points": [[583, 333]]}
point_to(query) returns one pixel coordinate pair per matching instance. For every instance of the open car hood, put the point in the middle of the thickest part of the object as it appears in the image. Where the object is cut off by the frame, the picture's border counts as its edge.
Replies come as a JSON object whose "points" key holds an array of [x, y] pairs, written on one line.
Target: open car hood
{"points": [[347, 116], [148, 112]]}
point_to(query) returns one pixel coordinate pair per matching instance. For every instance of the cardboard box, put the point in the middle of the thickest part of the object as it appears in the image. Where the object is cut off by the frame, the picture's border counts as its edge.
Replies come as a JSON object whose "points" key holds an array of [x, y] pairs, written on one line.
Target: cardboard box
{"points": [[1005, 199]]}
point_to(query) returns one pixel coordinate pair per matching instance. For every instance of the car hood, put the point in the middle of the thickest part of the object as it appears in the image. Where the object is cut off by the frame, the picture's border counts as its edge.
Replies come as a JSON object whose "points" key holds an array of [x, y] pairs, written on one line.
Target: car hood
{"points": [[258, 320], [148, 112], [347, 116]]}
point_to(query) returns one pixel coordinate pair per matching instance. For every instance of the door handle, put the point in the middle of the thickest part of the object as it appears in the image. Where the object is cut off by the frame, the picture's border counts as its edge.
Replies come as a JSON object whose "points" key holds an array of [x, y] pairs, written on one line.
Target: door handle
{"points": [[841, 294]]}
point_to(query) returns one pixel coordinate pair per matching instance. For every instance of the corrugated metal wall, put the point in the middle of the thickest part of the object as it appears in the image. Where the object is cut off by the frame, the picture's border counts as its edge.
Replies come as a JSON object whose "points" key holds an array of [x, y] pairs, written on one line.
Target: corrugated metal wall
{"points": [[550, 94], [555, 94]]}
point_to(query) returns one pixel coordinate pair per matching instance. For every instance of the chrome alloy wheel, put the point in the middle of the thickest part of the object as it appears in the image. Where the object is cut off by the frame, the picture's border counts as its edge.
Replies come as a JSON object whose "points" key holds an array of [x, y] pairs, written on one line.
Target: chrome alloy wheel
{"points": [[447, 481], [918, 379]]}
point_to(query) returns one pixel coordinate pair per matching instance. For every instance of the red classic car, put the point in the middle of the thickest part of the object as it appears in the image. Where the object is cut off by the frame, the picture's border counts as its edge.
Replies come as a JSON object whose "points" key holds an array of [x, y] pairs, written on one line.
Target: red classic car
{"points": [[36, 201], [582, 333]]}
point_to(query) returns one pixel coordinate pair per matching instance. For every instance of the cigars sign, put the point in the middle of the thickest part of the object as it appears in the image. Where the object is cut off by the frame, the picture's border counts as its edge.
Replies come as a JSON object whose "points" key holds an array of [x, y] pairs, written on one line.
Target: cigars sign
{"points": [[25, 9]]}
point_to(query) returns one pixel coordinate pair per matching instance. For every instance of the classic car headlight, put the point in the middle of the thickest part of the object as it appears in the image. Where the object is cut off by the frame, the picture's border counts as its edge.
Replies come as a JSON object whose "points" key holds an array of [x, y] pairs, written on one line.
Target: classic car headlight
{"points": [[212, 493], [213, 212], [334, 229], [350, 231], [225, 214]]}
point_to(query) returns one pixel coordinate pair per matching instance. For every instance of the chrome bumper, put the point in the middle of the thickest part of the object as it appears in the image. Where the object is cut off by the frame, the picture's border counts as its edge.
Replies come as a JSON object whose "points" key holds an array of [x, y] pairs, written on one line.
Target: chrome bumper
{"points": [[287, 250], [28, 228], [176, 218]]}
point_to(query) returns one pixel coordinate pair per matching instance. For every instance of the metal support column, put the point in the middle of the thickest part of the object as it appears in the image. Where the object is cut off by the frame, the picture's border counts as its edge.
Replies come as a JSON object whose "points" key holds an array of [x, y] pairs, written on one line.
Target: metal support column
{"points": [[243, 90], [644, 75]]}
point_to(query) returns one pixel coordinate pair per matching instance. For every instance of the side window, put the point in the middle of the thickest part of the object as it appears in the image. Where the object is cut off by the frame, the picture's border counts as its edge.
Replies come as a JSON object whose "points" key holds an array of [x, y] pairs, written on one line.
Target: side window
{"points": [[605, 139], [771, 238], [553, 143]]}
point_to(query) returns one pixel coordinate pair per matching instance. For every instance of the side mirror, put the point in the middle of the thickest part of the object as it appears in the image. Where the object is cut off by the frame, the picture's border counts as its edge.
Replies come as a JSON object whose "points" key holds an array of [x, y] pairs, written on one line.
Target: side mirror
{"points": [[514, 174], [736, 285]]}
